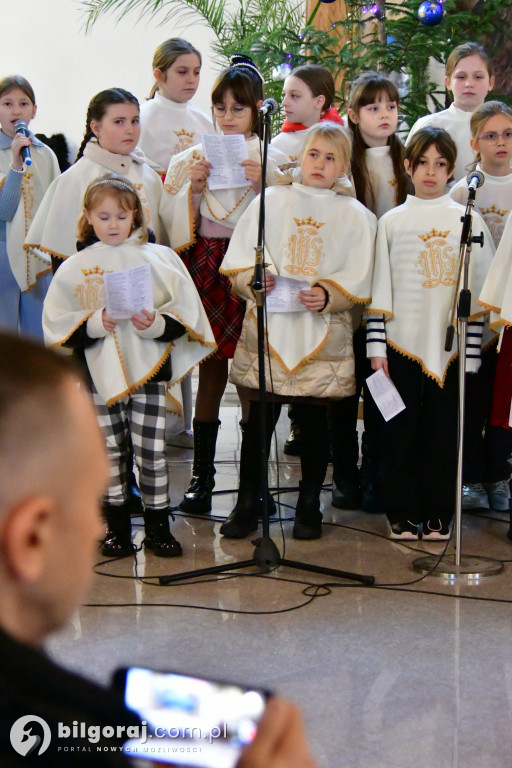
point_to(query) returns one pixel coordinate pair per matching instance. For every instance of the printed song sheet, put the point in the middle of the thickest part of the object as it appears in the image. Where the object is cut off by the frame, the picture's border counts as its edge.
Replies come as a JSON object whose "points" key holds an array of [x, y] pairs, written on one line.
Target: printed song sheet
{"points": [[225, 153], [385, 394], [128, 291], [285, 295]]}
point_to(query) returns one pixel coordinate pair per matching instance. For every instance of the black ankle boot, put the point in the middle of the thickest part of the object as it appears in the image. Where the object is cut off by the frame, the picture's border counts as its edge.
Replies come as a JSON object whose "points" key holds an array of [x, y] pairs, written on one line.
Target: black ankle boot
{"points": [[244, 517], [159, 538], [346, 493], [198, 497], [118, 539], [308, 518]]}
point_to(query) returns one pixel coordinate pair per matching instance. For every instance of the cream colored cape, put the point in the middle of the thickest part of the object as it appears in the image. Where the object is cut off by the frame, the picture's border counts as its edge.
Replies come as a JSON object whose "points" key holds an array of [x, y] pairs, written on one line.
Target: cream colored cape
{"points": [[53, 230], [416, 264], [224, 206], [310, 234], [28, 266], [496, 293], [122, 361]]}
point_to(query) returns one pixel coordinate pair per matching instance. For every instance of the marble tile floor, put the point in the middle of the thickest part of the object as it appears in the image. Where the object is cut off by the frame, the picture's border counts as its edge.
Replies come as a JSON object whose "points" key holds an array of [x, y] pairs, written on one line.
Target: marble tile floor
{"points": [[413, 673]]}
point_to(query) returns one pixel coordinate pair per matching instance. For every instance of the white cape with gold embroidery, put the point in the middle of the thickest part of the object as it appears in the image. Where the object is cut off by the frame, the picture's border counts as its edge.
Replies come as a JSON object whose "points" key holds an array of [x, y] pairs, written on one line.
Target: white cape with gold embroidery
{"points": [[310, 234], [497, 291], [27, 266], [123, 361], [53, 230], [224, 206], [416, 264]]}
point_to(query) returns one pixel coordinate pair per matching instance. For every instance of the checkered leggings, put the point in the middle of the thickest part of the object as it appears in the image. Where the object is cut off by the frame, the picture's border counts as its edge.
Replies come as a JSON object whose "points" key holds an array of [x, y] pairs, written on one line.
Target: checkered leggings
{"points": [[141, 417]]}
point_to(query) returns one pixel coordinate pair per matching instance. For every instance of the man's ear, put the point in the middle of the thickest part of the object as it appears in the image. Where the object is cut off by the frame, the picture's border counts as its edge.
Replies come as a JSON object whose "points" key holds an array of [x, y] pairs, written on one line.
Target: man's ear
{"points": [[26, 536]]}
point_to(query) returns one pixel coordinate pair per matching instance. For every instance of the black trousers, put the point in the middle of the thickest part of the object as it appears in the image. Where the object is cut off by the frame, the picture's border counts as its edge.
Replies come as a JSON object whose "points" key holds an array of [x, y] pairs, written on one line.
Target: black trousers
{"points": [[419, 446]]}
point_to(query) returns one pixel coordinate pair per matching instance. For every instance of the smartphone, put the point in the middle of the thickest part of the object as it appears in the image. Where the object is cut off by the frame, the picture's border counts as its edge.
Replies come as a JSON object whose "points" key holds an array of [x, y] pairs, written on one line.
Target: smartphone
{"points": [[188, 720]]}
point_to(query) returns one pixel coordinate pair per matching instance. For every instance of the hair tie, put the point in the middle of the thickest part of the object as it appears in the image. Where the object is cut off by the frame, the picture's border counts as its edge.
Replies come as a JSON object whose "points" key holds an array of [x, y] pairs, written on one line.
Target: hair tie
{"points": [[238, 60]]}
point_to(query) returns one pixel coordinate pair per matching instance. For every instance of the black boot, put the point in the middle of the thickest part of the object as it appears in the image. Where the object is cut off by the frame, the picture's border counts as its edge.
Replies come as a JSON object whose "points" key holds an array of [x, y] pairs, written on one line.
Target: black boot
{"points": [[312, 420], [198, 498], [308, 518], [118, 539], [346, 492], [244, 517], [159, 538]]}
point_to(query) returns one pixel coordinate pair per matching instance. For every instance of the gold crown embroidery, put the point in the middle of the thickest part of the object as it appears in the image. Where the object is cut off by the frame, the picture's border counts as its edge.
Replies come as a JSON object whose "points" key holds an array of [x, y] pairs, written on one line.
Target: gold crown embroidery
{"points": [[493, 209], [309, 222], [97, 270], [183, 132], [434, 233]]}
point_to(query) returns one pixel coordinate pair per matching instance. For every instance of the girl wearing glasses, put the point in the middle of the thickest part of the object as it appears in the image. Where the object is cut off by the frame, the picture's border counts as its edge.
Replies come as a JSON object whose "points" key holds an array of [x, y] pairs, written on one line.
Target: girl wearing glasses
{"points": [[202, 224], [487, 445]]}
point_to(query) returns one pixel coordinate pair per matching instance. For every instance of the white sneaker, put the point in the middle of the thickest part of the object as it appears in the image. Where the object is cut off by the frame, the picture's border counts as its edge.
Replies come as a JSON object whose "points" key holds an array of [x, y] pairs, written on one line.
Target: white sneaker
{"points": [[183, 439]]}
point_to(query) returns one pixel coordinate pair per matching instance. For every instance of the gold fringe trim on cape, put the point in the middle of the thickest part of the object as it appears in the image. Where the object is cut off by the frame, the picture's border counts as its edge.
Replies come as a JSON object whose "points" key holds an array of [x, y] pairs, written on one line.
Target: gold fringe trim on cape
{"points": [[387, 314], [304, 360], [39, 274], [417, 359], [29, 246], [127, 392], [191, 224], [63, 341], [346, 293]]}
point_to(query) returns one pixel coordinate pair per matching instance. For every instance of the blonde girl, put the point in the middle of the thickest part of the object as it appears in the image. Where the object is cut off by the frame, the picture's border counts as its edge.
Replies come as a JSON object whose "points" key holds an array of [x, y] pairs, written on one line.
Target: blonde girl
{"points": [[469, 78], [202, 224], [129, 360], [307, 98], [311, 359], [24, 278], [169, 122]]}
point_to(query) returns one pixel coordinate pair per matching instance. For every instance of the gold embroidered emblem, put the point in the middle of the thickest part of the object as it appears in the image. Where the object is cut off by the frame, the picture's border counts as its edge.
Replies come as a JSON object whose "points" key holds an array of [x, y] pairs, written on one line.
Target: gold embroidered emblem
{"points": [[91, 293], [437, 262], [185, 140], [144, 203], [304, 249], [495, 219], [178, 175]]}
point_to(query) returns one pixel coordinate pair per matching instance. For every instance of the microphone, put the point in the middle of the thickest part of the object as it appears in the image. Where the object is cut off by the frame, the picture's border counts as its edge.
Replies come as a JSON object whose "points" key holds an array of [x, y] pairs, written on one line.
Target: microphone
{"points": [[269, 107], [475, 179], [20, 126]]}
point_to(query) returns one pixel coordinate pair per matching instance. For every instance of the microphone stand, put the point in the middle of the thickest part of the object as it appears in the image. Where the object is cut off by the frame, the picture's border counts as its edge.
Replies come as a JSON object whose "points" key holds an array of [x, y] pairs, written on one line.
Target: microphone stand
{"points": [[470, 567], [266, 555]]}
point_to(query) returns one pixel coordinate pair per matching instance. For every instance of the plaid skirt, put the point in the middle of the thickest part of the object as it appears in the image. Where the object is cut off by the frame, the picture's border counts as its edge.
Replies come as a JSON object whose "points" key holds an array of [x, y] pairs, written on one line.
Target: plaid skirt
{"points": [[224, 310]]}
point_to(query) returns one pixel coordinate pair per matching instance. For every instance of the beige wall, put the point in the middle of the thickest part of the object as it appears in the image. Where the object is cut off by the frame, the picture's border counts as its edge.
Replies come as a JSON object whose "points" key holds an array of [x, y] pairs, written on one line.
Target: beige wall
{"points": [[46, 43]]}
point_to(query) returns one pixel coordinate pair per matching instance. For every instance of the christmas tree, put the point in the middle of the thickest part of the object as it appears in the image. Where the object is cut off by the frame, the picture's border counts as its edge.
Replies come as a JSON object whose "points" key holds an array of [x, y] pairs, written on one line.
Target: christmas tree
{"points": [[389, 36]]}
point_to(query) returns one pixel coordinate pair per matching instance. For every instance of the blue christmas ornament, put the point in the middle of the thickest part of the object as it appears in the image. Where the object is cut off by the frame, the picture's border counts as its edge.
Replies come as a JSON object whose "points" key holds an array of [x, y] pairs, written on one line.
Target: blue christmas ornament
{"points": [[430, 13]]}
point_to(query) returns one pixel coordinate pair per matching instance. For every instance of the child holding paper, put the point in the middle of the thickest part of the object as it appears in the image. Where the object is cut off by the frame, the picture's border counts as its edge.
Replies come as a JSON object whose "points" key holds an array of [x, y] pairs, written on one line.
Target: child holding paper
{"points": [[416, 264], [201, 225], [129, 361], [310, 360]]}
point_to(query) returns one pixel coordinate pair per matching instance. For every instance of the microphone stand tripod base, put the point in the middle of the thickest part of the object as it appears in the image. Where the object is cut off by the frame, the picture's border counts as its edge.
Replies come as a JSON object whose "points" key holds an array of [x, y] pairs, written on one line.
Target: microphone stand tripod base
{"points": [[471, 567]]}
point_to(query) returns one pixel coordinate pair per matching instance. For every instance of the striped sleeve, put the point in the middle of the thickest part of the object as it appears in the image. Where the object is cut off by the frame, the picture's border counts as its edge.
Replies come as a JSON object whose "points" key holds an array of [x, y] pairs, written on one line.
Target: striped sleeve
{"points": [[376, 336]]}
